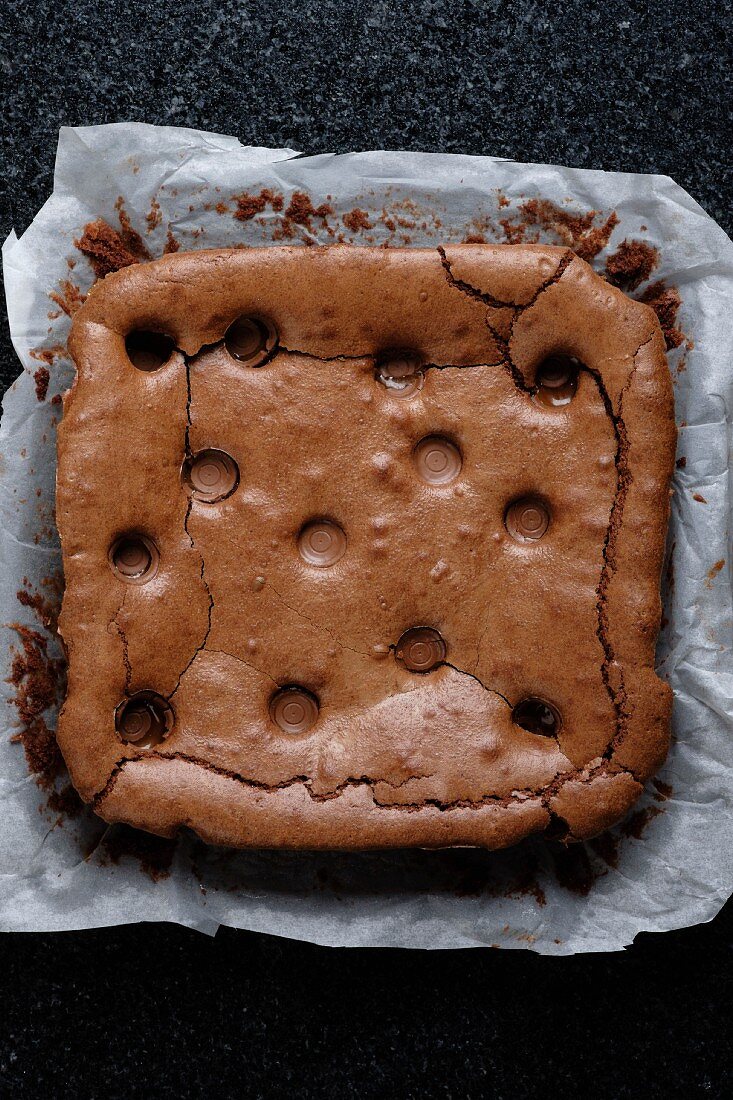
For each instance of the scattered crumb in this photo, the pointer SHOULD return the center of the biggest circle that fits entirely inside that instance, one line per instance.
(41, 377)
(69, 298)
(636, 823)
(249, 205)
(665, 301)
(171, 244)
(631, 264)
(699, 497)
(154, 216)
(154, 853)
(300, 210)
(606, 846)
(681, 463)
(664, 790)
(356, 219)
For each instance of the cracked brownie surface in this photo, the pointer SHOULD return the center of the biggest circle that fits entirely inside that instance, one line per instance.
(362, 546)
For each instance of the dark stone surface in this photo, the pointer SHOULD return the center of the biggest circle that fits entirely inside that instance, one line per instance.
(160, 1011)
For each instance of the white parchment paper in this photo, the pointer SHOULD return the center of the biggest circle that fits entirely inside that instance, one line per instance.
(59, 873)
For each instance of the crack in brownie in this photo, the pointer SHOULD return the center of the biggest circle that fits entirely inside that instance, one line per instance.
(362, 546)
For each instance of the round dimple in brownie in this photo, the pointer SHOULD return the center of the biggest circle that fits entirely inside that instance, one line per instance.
(322, 543)
(210, 475)
(399, 372)
(437, 460)
(537, 716)
(134, 559)
(145, 719)
(294, 710)
(251, 340)
(527, 519)
(148, 350)
(557, 380)
(420, 649)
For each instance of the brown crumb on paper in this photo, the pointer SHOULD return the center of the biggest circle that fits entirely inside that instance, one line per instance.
(664, 790)
(38, 682)
(665, 301)
(104, 248)
(573, 869)
(631, 264)
(154, 853)
(250, 205)
(356, 220)
(171, 244)
(699, 498)
(69, 298)
(636, 823)
(41, 377)
(300, 210)
(154, 216)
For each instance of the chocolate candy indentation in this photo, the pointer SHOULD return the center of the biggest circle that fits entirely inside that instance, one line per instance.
(294, 710)
(321, 543)
(134, 559)
(557, 380)
(420, 649)
(399, 372)
(145, 719)
(210, 475)
(149, 350)
(251, 340)
(437, 460)
(527, 519)
(537, 716)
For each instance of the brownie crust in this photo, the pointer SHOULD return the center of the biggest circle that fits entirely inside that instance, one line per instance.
(321, 458)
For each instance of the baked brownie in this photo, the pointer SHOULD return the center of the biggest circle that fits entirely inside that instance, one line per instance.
(362, 546)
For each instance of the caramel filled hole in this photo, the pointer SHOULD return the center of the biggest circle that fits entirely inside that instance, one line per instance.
(144, 720)
(210, 475)
(148, 351)
(134, 559)
(294, 710)
(251, 340)
(537, 716)
(420, 649)
(557, 380)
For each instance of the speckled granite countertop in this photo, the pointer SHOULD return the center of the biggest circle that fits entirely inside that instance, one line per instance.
(158, 1010)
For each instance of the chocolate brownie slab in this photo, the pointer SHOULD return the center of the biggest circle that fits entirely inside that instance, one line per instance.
(362, 546)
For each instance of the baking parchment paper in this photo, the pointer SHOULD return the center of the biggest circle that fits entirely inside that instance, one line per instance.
(673, 866)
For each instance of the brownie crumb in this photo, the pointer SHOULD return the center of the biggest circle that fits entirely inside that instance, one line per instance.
(37, 679)
(681, 463)
(154, 853)
(104, 248)
(154, 216)
(41, 377)
(69, 298)
(250, 205)
(300, 210)
(636, 823)
(664, 790)
(66, 801)
(665, 301)
(131, 239)
(631, 264)
(573, 868)
(595, 240)
(606, 846)
(356, 220)
(474, 238)
(171, 244)
(699, 498)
